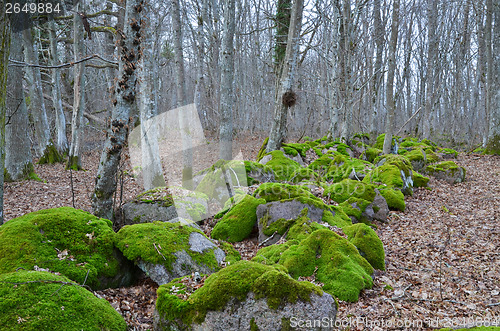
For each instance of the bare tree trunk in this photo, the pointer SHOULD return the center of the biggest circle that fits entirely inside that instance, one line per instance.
(493, 140)
(129, 52)
(4, 57)
(18, 164)
(390, 78)
(227, 93)
(286, 97)
(432, 52)
(62, 141)
(378, 35)
(37, 104)
(151, 163)
(74, 160)
(187, 171)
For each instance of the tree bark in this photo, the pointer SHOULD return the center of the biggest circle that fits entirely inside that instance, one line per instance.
(129, 53)
(18, 164)
(4, 57)
(151, 163)
(227, 93)
(61, 141)
(37, 104)
(391, 68)
(278, 129)
(74, 160)
(493, 140)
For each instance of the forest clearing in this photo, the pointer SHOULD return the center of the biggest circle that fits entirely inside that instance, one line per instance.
(250, 165)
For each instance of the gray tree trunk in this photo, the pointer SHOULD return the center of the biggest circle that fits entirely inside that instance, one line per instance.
(151, 163)
(378, 36)
(493, 140)
(18, 164)
(287, 80)
(390, 78)
(187, 171)
(4, 61)
(129, 51)
(37, 104)
(74, 160)
(227, 93)
(62, 141)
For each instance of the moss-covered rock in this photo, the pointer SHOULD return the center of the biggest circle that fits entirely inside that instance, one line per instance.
(321, 164)
(368, 243)
(282, 166)
(493, 145)
(227, 287)
(238, 223)
(278, 191)
(214, 183)
(72, 242)
(371, 154)
(420, 180)
(348, 168)
(300, 149)
(394, 198)
(165, 250)
(393, 174)
(448, 153)
(333, 260)
(36, 300)
(258, 173)
(448, 170)
(232, 255)
(304, 174)
(262, 150)
(347, 188)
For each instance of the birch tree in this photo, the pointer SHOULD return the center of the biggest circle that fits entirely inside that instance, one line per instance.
(18, 158)
(129, 53)
(286, 97)
(391, 68)
(227, 93)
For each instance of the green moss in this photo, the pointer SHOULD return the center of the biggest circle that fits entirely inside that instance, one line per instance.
(159, 195)
(256, 168)
(396, 160)
(347, 188)
(394, 198)
(372, 153)
(431, 156)
(232, 255)
(72, 242)
(283, 167)
(262, 150)
(493, 145)
(335, 261)
(278, 191)
(368, 243)
(355, 207)
(35, 300)
(51, 155)
(271, 255)
(379, 144)
(336, 217)
(299, 148)
(420, 180)
(322, 163)
(73, 163)
(238, 223)
(304, 174)
(303, 227)
(253, 325)
(447, 166)
(448, 151)
(387, 174)
(429, 143)
(138, 241)
(342, 167)
(28, 172)
(235, 281)
(214, 178)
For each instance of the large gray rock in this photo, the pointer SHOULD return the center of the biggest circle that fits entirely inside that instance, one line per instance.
(376, 210)
(136, 212)
(184, 263)
(238, 315)
(448, 171)
(271, 212)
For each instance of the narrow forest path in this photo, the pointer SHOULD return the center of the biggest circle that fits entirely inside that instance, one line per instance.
(442, 257)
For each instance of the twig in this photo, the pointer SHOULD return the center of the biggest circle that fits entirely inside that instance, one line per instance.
(72, 188)
(86, 276)
(493, 304)
(271, 237)
(63, 65)
(154, 244)
(412, 116)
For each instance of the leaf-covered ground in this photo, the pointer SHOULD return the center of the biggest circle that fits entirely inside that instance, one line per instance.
(442, 253)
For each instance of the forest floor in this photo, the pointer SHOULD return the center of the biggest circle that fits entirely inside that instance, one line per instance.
(442, 253)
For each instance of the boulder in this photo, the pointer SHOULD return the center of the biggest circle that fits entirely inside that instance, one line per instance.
(72, 242)
(165, 251)
(364, 211)
(45, 301)
(448, 171)
(243, 296)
